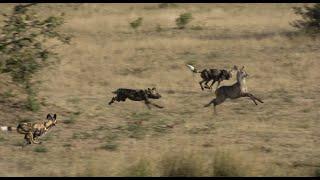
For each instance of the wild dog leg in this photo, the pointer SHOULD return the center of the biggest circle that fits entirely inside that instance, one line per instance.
(156, 105)
(213, 81)
(201, 84)
(112, 100)
(206, 84)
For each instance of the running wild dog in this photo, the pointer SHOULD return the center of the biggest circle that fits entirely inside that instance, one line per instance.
(136, 95)
(234, 91)
(211, 74)
(32, 131)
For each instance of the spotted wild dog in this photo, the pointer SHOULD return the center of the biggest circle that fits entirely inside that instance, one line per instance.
(237, 90)
(32, 131)
(136, 95)
(216, 75)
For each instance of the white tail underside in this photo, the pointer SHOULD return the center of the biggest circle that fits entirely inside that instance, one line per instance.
(4, 128)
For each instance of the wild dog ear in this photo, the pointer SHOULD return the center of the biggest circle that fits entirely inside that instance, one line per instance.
(49, 117)
(148, 89)
(153, 88)
(54, 116)
(235, 67)
(242, 68)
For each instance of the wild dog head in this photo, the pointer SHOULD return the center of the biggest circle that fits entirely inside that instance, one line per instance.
(52, 119)
(153, 93)
(225, 75)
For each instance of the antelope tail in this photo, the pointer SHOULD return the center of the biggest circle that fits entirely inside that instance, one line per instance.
(7, 128)
(193, 69)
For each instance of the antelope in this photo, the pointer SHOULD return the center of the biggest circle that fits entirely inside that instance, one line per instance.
(237, 90)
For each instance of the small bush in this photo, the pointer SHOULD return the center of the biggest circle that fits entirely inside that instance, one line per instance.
(136, 23)
(40, 149)
(8, 94)
(159, 28)
(317, 172)
(140, 169)
(72, 118)
(197, 28)
(226, 165)
(111, 146)
(183, 20)
(167, 5)
(32, 103)
(310, 22)
(180, 165)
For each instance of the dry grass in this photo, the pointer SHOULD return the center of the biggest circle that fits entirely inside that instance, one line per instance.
(107, 54)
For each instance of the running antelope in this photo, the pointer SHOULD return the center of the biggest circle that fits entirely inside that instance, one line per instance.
(234, 91)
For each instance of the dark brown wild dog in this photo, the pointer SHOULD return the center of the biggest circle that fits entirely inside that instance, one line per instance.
(136, 95)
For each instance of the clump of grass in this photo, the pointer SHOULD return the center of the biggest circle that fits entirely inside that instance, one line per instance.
(32, 103)
(159, 28)
(136, 131)
(183, 20)
(8, 94)
(180, 165)
(167, 5)
(136, 23)
(2, 139)
(141, 116)
(72, 118)
(40, 149)
(224, 164)
(196, 28)
(317, 172)
(160, 126)
(110, 146)
(81, 135)
(140, 169)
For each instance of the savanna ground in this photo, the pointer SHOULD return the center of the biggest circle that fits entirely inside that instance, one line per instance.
(277, 138)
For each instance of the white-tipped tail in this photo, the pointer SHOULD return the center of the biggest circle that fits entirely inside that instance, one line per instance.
(4, 128)
(193, 69)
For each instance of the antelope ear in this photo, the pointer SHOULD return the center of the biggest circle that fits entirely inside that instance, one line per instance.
(54, 116)
(49, 117)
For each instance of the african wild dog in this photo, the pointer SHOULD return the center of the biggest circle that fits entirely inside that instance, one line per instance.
(136, 95)
(32, 131)
(211, 74)
(234, 91)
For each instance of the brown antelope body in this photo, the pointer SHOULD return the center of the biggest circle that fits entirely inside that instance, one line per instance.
(234, 91)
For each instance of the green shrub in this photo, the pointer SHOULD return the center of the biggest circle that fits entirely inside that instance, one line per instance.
(180, 165)
(310, 22)
(40, 149)
(183, 20)
(140, 169)
(224, 164)
(167, 5)
(136, 23)
(23, 49)
(110, 146)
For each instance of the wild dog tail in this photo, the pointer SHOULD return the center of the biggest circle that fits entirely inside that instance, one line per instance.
(193, 69)
(7, 128)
